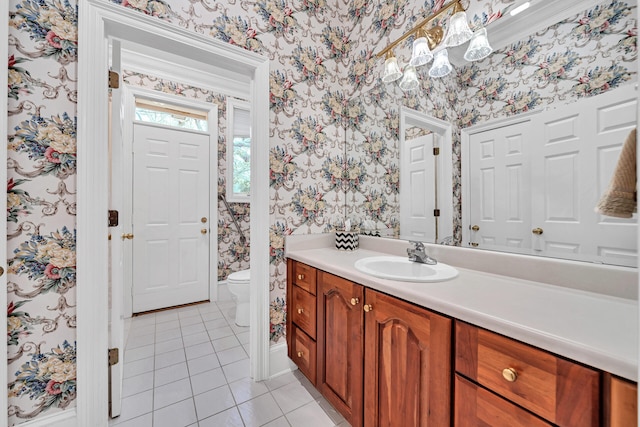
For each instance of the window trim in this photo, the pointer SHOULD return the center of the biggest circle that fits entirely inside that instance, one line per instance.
(232, 105)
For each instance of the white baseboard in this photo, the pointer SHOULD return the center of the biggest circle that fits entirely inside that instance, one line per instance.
(66, 418)
(279, 362)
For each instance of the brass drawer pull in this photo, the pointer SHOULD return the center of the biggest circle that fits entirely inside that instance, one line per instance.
(300, 354)
(300, 276)
(354, 301)
(510, 374)
(300, 310)
(367, 308)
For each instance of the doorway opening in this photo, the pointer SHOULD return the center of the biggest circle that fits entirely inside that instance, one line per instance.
(99, 22)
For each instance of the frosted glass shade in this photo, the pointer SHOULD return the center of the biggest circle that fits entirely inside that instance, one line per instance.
(441, 65)
(409, 79)
(459, 31)
(421, 53)
(478, 46)
(391, 70)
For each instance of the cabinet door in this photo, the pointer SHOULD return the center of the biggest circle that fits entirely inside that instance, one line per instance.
(407, 365)
(340, 345)
(475, 406)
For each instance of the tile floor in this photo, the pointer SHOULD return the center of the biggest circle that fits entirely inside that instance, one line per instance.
(190, 367)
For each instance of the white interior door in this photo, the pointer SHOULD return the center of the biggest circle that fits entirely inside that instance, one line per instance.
(574, 160)
(417, 190)
(170, 217)
(499, 186)
(116, 295)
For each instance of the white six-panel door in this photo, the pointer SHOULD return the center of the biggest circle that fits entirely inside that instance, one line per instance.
(535, 184)
(170, 217)
(417, 200)
(500, 186)
(575, 157)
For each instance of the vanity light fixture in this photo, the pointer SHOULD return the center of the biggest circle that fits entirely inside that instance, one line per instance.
(431, 44)
(391, 69)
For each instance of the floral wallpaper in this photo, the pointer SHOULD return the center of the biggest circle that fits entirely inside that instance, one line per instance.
(232, 255)
(333, 135)
(41, 208)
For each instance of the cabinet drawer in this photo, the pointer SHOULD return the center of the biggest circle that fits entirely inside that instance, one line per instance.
(304, 354)
(475, 406)
(304, 276)
(558, 390)
(304, 311)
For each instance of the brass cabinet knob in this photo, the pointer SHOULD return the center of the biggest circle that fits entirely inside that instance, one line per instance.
(354, 301)
(203, 220)
(1, 271)
(474, 244)
(300, 311)
(300, 354)
(537, 231)
(510, 374)
(127, 236)
(475, 228)
(300, 276)
(203, 231)
(367, 307)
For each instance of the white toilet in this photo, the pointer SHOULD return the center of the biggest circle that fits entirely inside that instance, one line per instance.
(238, 284)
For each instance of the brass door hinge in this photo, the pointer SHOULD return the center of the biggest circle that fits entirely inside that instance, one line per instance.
(113, 218)
(114, 356)
(114, 80)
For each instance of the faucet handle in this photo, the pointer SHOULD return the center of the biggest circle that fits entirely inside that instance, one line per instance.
(417, 245)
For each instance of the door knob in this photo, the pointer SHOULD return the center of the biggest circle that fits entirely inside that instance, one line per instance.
(537, 231)
(354, 301)
(475, 228)
(300, 310)
(300, 276)
(367, 307)
(203, 231)
(127, 236)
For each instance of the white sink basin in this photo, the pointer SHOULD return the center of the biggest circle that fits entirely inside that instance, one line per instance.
(400, 268)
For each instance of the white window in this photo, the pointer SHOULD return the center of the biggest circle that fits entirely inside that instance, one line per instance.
(165, 114)
(238, 150)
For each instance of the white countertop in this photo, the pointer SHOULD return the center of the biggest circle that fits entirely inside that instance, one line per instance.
(590, 327)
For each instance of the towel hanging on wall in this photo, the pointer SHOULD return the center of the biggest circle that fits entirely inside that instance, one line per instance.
(620, 199)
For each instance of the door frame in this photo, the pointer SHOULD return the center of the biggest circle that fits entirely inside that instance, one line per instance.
(125, 181)
(99, 20)
(409, 118)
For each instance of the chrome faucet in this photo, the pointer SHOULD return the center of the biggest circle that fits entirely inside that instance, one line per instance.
(417, 254)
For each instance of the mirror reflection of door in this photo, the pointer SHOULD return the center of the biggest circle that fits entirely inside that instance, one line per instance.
(170, 208)
(534, 183)
(426, 199)
(500, 170)
(417, 192)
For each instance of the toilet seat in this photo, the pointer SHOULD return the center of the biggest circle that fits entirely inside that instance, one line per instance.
(239, 276)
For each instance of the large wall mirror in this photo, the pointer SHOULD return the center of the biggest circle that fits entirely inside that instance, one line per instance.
(549, 81)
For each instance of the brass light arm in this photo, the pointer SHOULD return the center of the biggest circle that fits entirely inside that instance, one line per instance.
(421, 24)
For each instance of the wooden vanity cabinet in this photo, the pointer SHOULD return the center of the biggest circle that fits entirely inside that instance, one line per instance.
(380, 361)
(340, 345)
(301, 318)
(620, 401)
(559, 391)
(407, 364)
